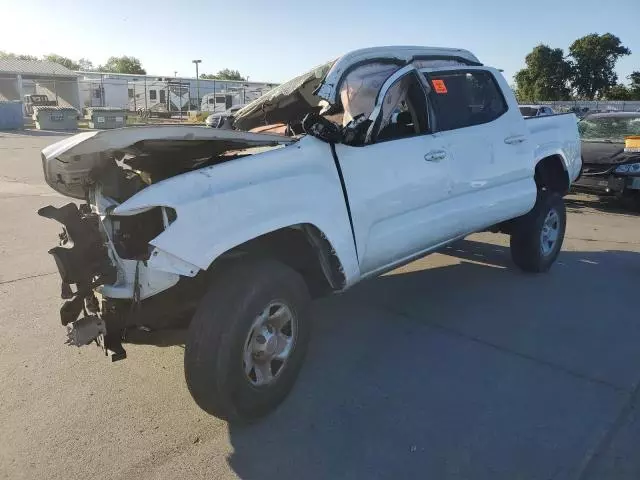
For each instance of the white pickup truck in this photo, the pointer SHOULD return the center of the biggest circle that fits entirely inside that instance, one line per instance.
(391, 153)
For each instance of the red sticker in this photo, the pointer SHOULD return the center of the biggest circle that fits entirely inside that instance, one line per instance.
(439, 86)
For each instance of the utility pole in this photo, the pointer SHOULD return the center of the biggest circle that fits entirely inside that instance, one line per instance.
(197, 83)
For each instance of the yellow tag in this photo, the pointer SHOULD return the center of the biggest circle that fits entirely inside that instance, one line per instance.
(632, 144)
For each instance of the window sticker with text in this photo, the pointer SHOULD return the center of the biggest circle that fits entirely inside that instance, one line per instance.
(439, 86)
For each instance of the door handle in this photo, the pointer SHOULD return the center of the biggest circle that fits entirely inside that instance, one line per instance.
(435, 155)
(516, 139)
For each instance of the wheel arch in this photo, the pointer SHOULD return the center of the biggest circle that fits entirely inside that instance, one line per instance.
(551, 174)
(303, 247)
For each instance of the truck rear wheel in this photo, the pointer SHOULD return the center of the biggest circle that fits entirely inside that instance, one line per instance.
(247, 340)
(537, 236)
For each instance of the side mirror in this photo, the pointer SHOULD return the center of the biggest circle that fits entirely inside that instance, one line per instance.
(320, 127)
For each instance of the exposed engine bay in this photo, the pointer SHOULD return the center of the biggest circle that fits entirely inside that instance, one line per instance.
(103, 254)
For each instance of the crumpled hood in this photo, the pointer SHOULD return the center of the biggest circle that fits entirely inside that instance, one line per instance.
(68, 164)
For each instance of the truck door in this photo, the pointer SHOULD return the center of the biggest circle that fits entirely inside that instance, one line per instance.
(491, 155)
(399, 182)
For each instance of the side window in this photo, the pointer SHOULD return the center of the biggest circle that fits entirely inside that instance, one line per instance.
(152, 95)
(404, 110)
(463, 99)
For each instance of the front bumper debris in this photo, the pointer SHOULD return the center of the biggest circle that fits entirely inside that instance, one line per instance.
(83, 263)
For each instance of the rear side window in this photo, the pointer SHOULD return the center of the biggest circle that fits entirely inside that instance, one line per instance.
(463, 99)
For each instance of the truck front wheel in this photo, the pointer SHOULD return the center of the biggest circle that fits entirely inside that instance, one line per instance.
(537, 237)
(247, 340)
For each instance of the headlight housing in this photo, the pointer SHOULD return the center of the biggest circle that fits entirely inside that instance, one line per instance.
(628, 169)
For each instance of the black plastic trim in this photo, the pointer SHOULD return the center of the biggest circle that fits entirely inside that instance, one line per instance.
(346, 196)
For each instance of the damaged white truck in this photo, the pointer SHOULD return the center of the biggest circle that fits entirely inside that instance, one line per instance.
(383, 156)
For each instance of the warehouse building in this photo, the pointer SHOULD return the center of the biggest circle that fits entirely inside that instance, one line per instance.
(33, 77)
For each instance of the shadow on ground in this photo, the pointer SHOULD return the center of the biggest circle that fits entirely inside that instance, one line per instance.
(468, 370)
(471, 370)
(576, 203)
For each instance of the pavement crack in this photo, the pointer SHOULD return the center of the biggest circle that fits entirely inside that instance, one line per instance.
(591, 458)
(3, 282)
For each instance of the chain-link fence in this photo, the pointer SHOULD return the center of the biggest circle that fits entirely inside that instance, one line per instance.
(586, 106)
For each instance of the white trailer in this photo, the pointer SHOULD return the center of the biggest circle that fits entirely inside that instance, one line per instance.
(103, 91)
(161, 95)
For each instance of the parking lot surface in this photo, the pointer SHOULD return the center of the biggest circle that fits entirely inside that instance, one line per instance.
(455, 366)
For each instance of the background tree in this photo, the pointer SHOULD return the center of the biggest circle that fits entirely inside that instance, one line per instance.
(619, 92)
(64, 61)
(546, 75)
(4, 54)
(594, 60)
(224, 74)
(634, 88)
(123, 64)
(85, 65)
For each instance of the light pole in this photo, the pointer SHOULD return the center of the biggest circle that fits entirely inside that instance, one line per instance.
(197, 83)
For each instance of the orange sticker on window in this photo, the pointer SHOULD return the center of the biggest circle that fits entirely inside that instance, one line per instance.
(439, 86)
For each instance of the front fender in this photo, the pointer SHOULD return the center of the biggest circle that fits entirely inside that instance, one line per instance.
(226, 205)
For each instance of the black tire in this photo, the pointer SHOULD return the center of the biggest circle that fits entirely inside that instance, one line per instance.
(526, 244)
(213, 360)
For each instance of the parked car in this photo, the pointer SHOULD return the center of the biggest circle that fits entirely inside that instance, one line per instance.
(611, 154)
(247, 227)
(222, 119)
(528, 111)
(580, 111)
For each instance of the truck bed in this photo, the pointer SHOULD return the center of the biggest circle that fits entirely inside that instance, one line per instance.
(553, 134)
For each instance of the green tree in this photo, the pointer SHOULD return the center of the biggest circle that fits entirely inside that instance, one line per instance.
(634, 88)
(85, 65)
(64, 61)
(123, 64)
(224, 74)
(594, 60)
(4, 54)
(618, 92)
(545, 76)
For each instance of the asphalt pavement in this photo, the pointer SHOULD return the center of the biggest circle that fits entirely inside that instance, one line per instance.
(455, 366)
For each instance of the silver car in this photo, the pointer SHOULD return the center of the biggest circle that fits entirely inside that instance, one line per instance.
(222, 119)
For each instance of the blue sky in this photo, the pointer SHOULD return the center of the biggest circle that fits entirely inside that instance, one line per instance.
(274, 41)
